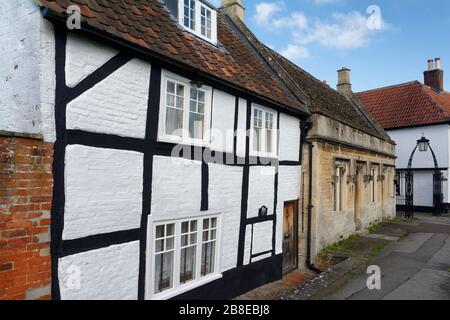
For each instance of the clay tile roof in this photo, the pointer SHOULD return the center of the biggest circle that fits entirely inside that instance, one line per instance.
(149, 24)
(406, 105)
(321, 98)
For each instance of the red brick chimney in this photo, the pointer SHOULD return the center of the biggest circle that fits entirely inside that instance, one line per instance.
(434, 76)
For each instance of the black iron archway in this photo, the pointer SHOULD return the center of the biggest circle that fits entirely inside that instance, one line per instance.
(423, 144)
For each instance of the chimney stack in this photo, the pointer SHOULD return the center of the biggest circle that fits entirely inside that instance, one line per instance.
(434, 76)
(344, 86)
(234, 9)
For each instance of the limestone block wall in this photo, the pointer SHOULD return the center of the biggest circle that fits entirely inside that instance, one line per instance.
(359, 153)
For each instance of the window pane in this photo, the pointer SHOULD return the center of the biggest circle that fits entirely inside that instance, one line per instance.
(213, 222)
(208, 257)
(170, 87)
(170, 100)
(185, 227)
(180, 90)
(194, 225)
(159, 246)
(170, 244)
(194, 94)
(196, 125)
(174, 122)
(205, 224)
(163, 271)
(193, 106)
(170, 229)
(184, 240)
(159, 231)
(201, 96)
(187, 264)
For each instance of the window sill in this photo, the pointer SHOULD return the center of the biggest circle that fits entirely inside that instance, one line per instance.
(187, 287)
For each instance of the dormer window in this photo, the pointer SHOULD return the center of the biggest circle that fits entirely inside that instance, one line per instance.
(199, 18)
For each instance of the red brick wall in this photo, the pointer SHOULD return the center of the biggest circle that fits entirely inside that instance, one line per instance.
(25, 201)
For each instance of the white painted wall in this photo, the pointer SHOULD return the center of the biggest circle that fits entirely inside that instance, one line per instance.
(406, 140)
(84, 56)
(106, 274)
(225, 193)
(109, 107)
(27, 70)
(262, 238)
(177, 187)
(261, 190)
(103, 190)
(289, 149)
(222, 134)
(423, 188)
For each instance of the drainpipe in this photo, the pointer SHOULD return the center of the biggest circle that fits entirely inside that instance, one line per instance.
(309, 262)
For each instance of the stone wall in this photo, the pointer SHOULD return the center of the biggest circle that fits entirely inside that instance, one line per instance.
(330, 225)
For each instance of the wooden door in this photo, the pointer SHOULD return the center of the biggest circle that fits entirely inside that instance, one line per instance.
(290, 236)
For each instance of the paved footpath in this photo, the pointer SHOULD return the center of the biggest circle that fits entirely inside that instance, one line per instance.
(416, 268)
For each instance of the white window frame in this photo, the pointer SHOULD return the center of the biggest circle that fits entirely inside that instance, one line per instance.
(275, 137)
(185, 139)
(178, 288)
(197, 31)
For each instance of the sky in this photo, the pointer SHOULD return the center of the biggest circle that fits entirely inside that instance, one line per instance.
(383, 42)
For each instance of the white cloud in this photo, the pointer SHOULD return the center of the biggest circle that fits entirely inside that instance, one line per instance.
(266, 10)
(295, 52)
(340, 30)
(296, 20)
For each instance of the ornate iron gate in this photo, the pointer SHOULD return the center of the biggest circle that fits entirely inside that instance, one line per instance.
(438, 198)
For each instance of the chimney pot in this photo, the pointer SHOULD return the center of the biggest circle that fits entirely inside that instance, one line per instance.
(430, 64)
(234, 9)
(437, 63)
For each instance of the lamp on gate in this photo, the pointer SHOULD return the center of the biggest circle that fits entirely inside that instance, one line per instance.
(423, 144)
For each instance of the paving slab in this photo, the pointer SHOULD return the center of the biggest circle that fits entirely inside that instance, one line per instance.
(412, 243)
(427, 284)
